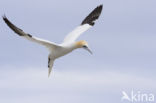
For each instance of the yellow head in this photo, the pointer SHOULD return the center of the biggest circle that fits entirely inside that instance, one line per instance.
(83, 44)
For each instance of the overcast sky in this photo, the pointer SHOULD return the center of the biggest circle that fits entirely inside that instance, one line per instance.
(123, 42)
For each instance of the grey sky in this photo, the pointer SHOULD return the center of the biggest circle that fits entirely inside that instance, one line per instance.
(122, 40)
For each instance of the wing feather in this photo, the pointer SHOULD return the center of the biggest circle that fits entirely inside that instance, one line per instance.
(72, 36)
(87, 23)
(21, 33)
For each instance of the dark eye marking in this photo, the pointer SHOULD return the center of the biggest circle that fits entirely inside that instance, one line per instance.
(85, 46)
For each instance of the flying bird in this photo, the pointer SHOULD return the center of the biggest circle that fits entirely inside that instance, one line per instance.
(69, 43)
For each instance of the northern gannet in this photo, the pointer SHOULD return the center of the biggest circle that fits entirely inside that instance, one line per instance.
(69, 44)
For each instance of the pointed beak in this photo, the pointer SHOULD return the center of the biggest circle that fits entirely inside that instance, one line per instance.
(88, 50)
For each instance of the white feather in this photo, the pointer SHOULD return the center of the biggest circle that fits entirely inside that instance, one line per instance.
(72, 36)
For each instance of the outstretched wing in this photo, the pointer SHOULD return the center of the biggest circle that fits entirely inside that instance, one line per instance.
(21, 33)
(87, 23)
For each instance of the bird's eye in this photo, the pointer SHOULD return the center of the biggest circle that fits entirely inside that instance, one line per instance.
(84, 46)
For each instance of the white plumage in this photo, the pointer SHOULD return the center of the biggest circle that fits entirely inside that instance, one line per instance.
(72, 36)
(69, 43)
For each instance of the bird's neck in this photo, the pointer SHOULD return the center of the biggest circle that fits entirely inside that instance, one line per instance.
(76, 45)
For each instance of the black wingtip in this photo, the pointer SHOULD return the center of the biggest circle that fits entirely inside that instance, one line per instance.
(94, 15)
(4, 17)
(100, 7)
(12, 26)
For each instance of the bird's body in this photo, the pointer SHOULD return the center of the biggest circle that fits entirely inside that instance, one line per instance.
(61, 51)
(69, 44)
